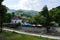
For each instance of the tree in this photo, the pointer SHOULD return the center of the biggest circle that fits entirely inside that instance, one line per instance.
(55, 14)
(37, 19)
(25, 14)
(45, 17)
(13, 14)
(45, 13)
(3, 11)
(8, 17)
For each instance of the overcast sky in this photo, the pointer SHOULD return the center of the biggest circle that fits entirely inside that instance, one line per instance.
(36, 5)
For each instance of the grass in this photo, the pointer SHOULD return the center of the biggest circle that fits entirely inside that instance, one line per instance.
(6, 35)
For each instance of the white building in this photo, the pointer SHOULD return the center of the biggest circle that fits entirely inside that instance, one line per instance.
(16, 19)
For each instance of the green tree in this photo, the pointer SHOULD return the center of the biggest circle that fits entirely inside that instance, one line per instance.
(3, 11)
(45, 17)
(25, 14)
(45, 13)
(55, 14)
(8, 17)
(13, 14)
(37, 19)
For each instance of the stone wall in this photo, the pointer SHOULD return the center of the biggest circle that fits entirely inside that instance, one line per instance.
(34, 29)
(58, 29)
(38, 30)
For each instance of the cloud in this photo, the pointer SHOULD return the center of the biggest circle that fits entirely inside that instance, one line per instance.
(31, 4)
(52, 3)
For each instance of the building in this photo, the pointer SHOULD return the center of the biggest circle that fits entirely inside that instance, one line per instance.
(16, 19)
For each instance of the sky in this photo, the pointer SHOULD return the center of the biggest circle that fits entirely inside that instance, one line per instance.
(36, 5)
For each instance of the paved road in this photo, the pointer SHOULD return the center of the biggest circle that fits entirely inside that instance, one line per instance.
(46, 36)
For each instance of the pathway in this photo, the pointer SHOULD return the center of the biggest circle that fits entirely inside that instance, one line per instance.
(46, 36)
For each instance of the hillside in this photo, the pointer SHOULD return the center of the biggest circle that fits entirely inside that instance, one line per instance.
(27, 12)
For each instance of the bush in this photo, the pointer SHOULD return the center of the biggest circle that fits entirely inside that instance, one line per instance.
(19, 24)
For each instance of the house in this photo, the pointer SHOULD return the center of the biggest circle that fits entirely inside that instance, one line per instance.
(23, 20)
(16, 19)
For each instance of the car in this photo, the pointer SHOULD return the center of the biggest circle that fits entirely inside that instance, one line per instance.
(26, 24)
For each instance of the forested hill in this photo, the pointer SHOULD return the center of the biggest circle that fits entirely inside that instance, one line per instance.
(23, 11)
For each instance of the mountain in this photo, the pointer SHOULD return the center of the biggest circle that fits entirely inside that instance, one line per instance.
(11, 10)
(23, 12)
(30, 12)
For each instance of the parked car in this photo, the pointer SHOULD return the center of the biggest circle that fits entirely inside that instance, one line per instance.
(26, 24)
